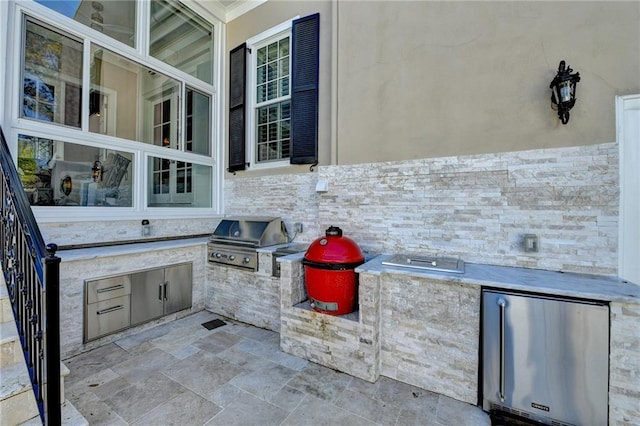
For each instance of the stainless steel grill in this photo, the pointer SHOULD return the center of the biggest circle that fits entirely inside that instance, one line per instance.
(235, 240)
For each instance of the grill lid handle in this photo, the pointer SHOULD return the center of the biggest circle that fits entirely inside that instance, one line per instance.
(333, 231)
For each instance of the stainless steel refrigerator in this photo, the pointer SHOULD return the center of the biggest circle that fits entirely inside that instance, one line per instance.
(545, 358)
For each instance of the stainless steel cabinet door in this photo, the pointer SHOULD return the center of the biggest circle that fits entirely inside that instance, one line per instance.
(147, 295)
(546, 357)
(178, 288)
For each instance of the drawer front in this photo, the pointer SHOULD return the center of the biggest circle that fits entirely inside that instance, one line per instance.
(107, 288)
(108, 316)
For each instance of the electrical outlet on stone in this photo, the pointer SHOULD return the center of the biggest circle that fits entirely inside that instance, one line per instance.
(531, 244)
(297, 227)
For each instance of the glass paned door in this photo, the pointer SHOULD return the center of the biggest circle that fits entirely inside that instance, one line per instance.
(178, 183)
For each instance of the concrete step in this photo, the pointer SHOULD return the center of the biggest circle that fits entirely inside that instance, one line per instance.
(10, 349)
(6, 314)
(17, 401)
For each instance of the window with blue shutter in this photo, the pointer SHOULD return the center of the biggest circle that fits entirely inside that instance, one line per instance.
(275, 95)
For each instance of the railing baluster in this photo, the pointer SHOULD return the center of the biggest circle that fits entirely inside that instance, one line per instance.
(32, 279)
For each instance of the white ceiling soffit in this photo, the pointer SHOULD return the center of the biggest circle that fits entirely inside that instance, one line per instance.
(227, 10)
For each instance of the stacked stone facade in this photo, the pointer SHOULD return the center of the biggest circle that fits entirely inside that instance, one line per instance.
(247, 296)
(624, 360)
(430, 334)
(476, 207)
(350, 344)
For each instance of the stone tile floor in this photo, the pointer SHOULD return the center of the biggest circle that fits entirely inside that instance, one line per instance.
(180, 373)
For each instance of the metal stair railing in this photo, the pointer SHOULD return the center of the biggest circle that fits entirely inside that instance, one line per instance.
(32, 275)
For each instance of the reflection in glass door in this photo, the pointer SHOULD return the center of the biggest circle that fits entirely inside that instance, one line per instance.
(172, 180)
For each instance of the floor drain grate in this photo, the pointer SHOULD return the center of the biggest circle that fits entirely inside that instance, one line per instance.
(210, 325)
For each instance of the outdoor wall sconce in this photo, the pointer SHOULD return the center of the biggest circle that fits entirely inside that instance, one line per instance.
(563, 95)
(97, 171)
(66, 185)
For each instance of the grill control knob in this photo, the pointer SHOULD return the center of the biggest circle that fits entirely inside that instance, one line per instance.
(232, 257)
(218, 255)
(246, 260)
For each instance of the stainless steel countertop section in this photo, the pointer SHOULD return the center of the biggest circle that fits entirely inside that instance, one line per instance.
(119, 250)
(569, 284)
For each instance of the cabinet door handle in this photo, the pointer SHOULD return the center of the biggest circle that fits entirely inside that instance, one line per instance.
(166, 286)
(502, 304)
(160, 291)
(112, 309)
(106, 289)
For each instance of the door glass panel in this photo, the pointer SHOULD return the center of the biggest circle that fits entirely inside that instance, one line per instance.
(55, 173)
(198, 122)
(115, 18)
(175, 183)
(51, 76)
(182, 39)
(131, 101)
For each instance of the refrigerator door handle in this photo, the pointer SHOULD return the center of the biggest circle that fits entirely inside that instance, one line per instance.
(502, 304)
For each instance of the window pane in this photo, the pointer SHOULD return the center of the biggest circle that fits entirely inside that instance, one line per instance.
(262, 74)
(283, 69)
(198, 123)
(263, 114)
(284, 47)
(285, 110)
(283, 87)
(262, 133)
(55, 173)
(178, 184)
(273, 132)
(182, 39)
(133, 101)
(273, 112)
(262, 56)
(52, 76)
(115, 18)
(272, 52)
(272, 90)
(260, 93)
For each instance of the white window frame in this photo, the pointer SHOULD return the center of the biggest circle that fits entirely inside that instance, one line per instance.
(627, 120)
(253, 44)
(13, 124)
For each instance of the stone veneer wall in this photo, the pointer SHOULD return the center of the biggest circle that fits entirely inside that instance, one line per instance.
(476, 207)
(247, 296)
(291, 197)
(348, 345)
(430, 334)
(479, 207)
(624, 359)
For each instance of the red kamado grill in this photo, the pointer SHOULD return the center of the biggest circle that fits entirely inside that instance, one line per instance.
(329, 265)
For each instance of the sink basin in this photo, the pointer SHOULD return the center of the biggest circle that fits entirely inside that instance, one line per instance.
(291, 249)
(427, 263)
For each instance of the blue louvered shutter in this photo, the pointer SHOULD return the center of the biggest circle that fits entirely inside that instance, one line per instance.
(305, 37)
(237, 100)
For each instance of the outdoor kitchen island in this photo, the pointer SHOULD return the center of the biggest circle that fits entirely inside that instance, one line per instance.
(81, 266)
(423, 327)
